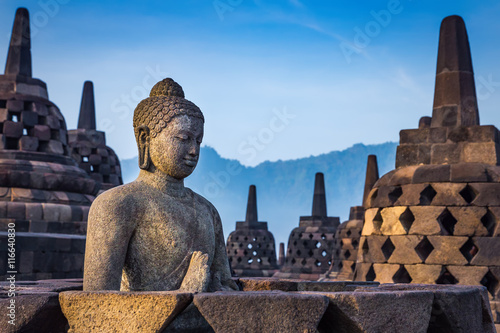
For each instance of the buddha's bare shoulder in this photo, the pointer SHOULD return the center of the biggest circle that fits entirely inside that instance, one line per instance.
(200, 200)
(125, 200)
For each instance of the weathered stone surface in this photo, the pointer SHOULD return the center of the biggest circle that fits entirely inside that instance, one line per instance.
(391, 224)
(377, 312)
(385, 272)
(426, 274)
(310, 245)
(112, 311)
(488, 251)
(426, 220)
(404, 252)
(127, 239)
(468, 275)
(446, 250)
(34, 312)
(271, 311)
(251, 248)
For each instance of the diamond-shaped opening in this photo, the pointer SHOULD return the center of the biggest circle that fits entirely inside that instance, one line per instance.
(388, 248)
(240, 245)
(424, 249)
(341, 243)
(469, 249)
(347, 254)
(446, 278)
(373, 196)
(303, 262)
(245, 252)
(341, 265)
(348, 233)
(323, 254)
(447, 222)
(468, 193)
(427, 195)
(407, 219)
(238, 260)
(250, 261)
(293, 260)
(353, 266)
(489, 221)
(395, 194)
(249, 246)
(318, 245)
(310, 253)
(300, 235)
(317, 263)
(491, 283)
(355, 243)
(254, 253)
(305, 243)
(365, 247)
(377, 220)
(311, 236)
(402, 276)
(370, 275)
(259, 260)
(298, 252)
(323, 236)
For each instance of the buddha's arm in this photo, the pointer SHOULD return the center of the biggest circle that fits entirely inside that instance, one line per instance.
(108, 234)
(220, 270)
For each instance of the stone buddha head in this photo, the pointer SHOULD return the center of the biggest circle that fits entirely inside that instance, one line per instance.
(169, 131)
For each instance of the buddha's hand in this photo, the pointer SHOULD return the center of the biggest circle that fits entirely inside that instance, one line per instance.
(198, 274)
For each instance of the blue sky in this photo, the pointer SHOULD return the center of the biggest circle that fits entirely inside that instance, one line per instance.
(270, 76)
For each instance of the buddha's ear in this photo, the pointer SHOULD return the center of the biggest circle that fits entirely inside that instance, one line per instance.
(143, 139)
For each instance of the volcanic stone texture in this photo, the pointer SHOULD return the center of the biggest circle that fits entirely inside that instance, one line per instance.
(345, 247)
(263, 305)
(44, 195)
(434, 224)
(88, 148)
(251, 248)
(310, 245)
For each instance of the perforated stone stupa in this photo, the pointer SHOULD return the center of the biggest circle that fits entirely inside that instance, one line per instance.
(310, 244)
(251, 248)
(435, 218)
(88, 146)
(42, 190)
(345, 248)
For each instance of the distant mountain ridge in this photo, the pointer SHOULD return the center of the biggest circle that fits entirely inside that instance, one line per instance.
(284, 188)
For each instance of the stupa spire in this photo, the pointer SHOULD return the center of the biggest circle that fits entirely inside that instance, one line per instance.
(371, 176)
(455, 102)
(19, 56)
(86, 119)
(252, 205)
(319, 198)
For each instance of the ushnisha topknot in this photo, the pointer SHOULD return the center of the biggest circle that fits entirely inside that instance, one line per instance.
(166, 101)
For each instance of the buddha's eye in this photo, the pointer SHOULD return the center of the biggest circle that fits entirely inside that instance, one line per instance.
(182, 137)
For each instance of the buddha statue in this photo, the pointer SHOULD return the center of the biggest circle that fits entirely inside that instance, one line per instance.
(155, 234)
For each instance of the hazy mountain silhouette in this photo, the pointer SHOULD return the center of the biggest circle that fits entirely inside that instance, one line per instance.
(284, 188)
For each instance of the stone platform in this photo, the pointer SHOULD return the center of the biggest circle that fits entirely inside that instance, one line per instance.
(262, 305)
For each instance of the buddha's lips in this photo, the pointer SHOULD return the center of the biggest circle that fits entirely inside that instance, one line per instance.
(189, 162)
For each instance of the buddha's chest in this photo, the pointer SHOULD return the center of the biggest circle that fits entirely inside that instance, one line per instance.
(171, 231)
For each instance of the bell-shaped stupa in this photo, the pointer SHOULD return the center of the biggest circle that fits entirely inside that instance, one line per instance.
(88, 146)
(345, 248)
(251, 248)
(435, 219)
(310, 244)
(43, 192)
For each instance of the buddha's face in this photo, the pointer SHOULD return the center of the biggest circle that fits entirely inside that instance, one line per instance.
(175, 150)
